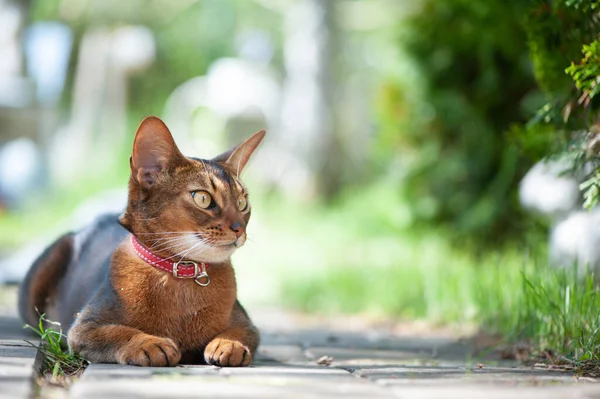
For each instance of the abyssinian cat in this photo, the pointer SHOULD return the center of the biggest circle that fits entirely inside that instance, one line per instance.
(155, 286)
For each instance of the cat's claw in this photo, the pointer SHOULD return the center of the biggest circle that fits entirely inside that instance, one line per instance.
(227, 353)
(147, 350)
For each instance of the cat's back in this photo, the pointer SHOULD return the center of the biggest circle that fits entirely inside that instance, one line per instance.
(88, 269)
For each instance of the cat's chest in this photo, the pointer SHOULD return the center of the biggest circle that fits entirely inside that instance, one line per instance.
(179, 309)
(196, 314)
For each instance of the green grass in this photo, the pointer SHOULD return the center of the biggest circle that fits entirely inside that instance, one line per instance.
(59, 362)
(558, 311)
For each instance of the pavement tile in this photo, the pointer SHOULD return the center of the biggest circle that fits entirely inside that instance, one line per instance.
(308, 384)
(11, 327)
(21, 351)
(373, 357)
(171, 389)
(492, 381)
(280, 353)
(315, 371)
(18, 342)
(440, 375)
(101, 371)
(498, 392)
(16, 359)
(21, 368)
(238, 386)
(366, 356)
(367, 340)
(207, 381)
(11, 387)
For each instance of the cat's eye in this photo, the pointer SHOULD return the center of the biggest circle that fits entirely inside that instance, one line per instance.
(202, 199)
(242, 203)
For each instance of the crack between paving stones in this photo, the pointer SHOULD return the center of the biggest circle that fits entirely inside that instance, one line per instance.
(36, 374)
(43, 387)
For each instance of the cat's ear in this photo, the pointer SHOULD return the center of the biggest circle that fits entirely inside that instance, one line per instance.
(236, 158)
(154, 150)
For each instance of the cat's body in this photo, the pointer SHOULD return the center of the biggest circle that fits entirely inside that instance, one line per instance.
(115, 305)
(80, 265)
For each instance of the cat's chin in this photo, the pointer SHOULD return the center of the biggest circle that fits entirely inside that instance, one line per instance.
(211, 253)
(216, 254)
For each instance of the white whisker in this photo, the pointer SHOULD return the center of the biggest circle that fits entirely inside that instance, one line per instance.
(189, 250)
(166, 232)
(163, 243)
(184, 252)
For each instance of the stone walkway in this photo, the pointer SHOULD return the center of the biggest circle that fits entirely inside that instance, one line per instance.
(364, 363)
(17, 359)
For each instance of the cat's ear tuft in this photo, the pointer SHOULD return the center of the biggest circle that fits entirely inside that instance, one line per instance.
(154, 150)
(237, 158)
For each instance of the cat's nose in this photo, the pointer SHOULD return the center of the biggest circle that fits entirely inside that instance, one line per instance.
(238, 229)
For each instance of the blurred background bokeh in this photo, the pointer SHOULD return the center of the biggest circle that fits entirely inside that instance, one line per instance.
(398, 134)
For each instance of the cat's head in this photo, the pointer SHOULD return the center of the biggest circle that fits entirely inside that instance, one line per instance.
(186, 208)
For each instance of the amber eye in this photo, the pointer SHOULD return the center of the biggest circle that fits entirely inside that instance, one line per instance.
(202, 199)
(242, 203)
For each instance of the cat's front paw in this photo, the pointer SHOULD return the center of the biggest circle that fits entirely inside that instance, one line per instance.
(148, 350)
(226, 352)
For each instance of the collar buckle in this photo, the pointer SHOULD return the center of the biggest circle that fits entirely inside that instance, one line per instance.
(184, 263)
(200, 276)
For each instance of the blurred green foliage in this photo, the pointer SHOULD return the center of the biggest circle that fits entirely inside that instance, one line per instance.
(586, 74)
(559, 31)
(494, 93)
(449, 130)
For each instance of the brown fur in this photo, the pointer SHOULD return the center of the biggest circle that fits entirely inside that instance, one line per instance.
(39, 288)
(144, 316)
(161, 306)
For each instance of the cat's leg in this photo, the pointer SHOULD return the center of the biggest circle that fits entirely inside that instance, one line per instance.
(236, 345)
(121, 344)
(100, 335)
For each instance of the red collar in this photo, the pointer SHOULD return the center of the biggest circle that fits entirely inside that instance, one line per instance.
(181, 269)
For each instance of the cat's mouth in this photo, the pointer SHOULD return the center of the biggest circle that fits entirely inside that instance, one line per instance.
(232, 245)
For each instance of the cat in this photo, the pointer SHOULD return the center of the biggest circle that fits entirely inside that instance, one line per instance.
(155, 285)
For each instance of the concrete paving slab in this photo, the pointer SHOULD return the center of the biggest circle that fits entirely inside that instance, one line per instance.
(206, 389)
(280, 353)
(284, 369)
(481, 391)
(232, 386)
(17, 359)
(428, 376)
(21, 351)
(99, 371)
(13, 387)
(368, 364)
(265, 381)
(372, 356)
